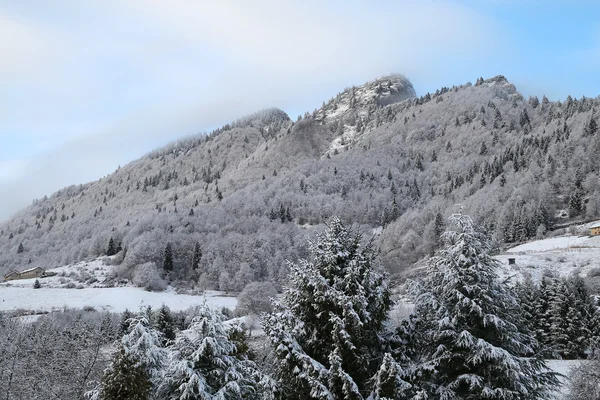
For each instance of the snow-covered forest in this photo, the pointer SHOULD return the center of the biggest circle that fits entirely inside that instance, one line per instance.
(221, 210)
(332, 230)
(331, 335)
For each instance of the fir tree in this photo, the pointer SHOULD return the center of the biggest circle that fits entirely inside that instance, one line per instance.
(196, 256)
(473, 343)
(205, 365)
(125, 379)
(327, 330)
(163, 323)
(125, 321)
(168, 258)
(37, 284)
(112, 249)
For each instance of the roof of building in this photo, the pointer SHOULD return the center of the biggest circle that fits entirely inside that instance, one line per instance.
(32, 269)
(11, 273)
(595, 225)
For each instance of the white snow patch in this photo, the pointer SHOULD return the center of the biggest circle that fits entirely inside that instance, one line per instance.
(111, 299)
(563, 242)
(561, 256)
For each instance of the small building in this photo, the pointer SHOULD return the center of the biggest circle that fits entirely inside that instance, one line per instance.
(595, 229)
(12, 275)
(36, 272)
(512, 261)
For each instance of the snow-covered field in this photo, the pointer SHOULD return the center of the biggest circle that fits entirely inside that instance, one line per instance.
(82, 285)
(560, 255)
(111, 299)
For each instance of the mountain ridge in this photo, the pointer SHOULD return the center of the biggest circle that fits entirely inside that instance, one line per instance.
(250, 193)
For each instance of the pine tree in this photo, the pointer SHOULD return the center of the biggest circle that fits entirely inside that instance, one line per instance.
(20, 249)
(205, 365)
(473, 342)
(37, 284)
(591, 126)
(542, 306)
(327, 330)
(196, 256)
(111, 250)
(125, 379)
(168, 258)
(144, 344)
(163, 323)
(125, 322)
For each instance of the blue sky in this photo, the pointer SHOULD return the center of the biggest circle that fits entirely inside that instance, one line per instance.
(90, 85)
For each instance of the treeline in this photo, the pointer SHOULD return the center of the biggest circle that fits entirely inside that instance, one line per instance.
(562, 314)
(531, 167)
(331, 337)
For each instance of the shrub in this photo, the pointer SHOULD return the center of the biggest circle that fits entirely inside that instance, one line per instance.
(256, 298)
(146, 275)
(593, 272)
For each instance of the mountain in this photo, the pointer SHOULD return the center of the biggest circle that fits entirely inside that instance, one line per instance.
(247, 195)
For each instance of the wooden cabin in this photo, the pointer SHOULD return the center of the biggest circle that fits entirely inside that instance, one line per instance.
(595, 229)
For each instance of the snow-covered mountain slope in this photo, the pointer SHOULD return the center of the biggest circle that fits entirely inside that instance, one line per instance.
(244, 193)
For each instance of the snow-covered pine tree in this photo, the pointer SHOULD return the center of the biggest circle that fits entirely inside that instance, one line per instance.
(527, 294)
(125, 378)
(327, 331)
(542, 321)
(144, 344)
(163, 322)
(204, 365)
(474, 344)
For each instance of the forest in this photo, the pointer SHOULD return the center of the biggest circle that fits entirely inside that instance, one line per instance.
(330, 335)
(228, 208)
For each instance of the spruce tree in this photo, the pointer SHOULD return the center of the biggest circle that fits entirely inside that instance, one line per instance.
(163, 322)
(327, 331)
(168, 258)
(205, 365)
(473, 342)
(112, 249)
(125, 321)
(125, 379)
(196, 256)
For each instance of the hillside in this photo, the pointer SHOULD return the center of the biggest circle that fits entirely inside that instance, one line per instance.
(250, 192)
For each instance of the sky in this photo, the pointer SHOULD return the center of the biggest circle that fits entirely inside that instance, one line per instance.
(87, 86)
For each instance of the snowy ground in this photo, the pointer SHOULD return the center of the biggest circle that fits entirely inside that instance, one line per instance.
(82, 285)
(560, 255)
(111, 299)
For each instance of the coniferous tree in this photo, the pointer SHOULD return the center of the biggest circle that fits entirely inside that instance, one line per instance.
(168, 258)
(125, 379)
(20, 249)
(125, 322)
(112, 249)
(163, 323)
(327, 330)
(196, 257)
(206, 365)
(473, 343)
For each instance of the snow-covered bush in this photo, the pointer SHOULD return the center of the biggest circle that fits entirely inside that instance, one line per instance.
(585, 381)
(256, 298)
(146, 275)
